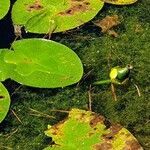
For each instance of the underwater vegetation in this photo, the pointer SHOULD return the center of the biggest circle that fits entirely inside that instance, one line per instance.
(33, 108)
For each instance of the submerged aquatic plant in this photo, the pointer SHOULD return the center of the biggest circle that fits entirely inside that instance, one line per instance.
(86, 130)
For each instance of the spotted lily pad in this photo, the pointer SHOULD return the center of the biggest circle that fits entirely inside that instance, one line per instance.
(44, 16)
(85, 130)
(4, 102)
(43, 63)
(120, 2)
(4, 7)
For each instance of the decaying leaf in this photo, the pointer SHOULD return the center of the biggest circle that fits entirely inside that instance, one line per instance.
(120, 2)
(46, 16)
(85, 130)
(107, 24)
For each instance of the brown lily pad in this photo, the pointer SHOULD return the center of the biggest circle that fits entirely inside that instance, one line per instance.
(107, 24)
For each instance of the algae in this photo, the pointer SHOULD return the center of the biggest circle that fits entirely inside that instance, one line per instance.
(98, 52)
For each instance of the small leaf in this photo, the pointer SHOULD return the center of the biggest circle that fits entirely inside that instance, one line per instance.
(4, 102)
(85, 130)
(44, 63)
(4, 7)
(43, 16)
(107, 23)
(120, 2)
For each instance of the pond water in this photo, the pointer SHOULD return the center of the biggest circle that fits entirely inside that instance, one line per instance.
(32, 108)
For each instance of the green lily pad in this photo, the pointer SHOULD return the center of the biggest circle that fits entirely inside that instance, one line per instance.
(43, 63)
(120, 2)
(85, 130)
(4, 102)
(4, 7)
(5, 69)
(44, 16)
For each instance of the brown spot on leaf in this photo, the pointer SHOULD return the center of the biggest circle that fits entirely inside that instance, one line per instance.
(114, 130)
(1, 97)
(103, 146)
(132, 145)
(96, 120)
(107, 123)
(56, 128)
(82, 116)
(128, 135)
(35, 6)
(91, 133)
(75, 7)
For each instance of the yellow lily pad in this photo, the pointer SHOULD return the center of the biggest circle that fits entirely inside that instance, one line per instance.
(120, 2)
(85, 130)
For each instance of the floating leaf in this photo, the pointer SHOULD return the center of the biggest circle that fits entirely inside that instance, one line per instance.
(4, 102)
(85, 130)
(107, 23)
(44, 16)
(43, 63)
(5, 69)
(4, 7)
(120, 2)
